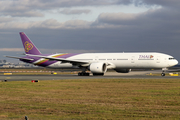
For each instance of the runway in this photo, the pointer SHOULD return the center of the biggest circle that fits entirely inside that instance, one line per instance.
(108, 75)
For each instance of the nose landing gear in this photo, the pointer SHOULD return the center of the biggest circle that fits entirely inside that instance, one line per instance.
(163, 74)
(163, 70)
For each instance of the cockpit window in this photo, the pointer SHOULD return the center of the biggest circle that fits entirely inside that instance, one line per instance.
(171, 58)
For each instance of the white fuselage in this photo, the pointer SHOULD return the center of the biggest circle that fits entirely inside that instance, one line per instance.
(123, 60)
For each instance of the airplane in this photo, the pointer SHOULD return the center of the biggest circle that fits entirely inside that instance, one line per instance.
(96, 63)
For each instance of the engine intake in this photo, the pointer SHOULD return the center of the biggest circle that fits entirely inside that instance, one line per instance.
(98, 67)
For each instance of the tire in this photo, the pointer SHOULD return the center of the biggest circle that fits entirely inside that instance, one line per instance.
(163, 74)
(79, 74)
(87, 74)
(83, 74)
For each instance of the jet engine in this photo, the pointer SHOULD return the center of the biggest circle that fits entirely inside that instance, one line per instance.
(123, 70)
(98, 68)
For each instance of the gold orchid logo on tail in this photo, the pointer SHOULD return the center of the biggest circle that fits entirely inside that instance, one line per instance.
(28, 46)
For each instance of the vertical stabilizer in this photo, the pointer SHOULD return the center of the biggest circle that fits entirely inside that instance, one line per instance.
(29, 47)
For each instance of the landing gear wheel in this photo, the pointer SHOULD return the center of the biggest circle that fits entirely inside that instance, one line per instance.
(83, 74)
(163, 74)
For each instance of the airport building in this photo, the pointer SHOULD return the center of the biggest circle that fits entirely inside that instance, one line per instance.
(5, 64)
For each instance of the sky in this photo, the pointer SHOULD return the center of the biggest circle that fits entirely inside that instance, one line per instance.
(75, 26)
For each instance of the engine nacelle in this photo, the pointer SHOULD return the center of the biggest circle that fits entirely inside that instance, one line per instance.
(98, 67)
(123, 70)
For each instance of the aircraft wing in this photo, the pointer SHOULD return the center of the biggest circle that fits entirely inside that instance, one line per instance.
(19, 58)
(60, 59)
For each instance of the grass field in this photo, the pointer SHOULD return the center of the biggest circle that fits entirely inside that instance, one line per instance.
(91, 99)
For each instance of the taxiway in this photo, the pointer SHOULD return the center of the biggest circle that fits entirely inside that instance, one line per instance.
(108, 75)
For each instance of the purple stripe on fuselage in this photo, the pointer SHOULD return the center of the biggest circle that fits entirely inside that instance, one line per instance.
(47, 63)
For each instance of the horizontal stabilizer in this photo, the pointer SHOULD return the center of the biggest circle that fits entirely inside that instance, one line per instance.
(20, 58)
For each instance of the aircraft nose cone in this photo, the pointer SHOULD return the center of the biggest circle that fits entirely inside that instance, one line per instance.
(176, 62)
(173, 63)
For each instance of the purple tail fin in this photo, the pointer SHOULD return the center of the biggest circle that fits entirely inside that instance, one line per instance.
(29, 47)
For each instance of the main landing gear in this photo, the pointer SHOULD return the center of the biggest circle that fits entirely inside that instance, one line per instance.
(83, 74)
(87, 74)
